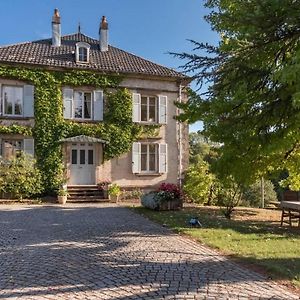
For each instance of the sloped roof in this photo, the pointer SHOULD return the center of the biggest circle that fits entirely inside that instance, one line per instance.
(83, 139)
(42, 53)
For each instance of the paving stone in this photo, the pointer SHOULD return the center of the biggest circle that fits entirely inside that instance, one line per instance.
(101, 251)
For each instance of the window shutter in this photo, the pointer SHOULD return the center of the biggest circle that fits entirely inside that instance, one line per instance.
(136, 108)
(68, 103)
(163, 158)
(98, 105)
(28, 100)
(28, 146)
(136, 158)
(162, 110)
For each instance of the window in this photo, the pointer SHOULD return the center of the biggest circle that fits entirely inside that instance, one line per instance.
(149, 157)
(11, 148)
(82, 52)
(12, 100)
(148, 109)
(82, 105)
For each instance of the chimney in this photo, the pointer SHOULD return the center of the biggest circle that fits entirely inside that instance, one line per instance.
(103, 32)
(56, 30)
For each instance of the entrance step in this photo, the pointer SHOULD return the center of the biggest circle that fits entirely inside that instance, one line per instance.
(85, 193)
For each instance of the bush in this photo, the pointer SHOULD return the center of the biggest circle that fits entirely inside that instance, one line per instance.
(114, 190)
(168, 192)
(198, 183)
(252, 194)
(19, 178)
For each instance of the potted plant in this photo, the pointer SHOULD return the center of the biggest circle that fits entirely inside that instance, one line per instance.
(62, 196)
(114, 192)
(103, 186)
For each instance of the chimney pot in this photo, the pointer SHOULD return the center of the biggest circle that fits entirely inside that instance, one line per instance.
(56, 29)
(103, 35)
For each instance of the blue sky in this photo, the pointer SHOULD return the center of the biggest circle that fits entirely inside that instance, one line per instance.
(147, 28)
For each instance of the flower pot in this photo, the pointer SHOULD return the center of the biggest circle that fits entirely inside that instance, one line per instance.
(171, 205)
(113, 198)
(62, 199)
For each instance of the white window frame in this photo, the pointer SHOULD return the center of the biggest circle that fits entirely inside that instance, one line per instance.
(10, 141)
(83, 108)
(148, 109)
(87, 47)
(148, 171)
(13, 106)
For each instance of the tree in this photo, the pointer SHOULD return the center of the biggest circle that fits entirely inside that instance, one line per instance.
(252, 194)
(252, 105)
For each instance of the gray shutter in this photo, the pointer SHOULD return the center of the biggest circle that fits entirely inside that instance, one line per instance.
(68, 103)
(162, 109)
(163, 158)
(136, 107)
(28, 101)
(136, 158)
(28, 146)
(98, 105)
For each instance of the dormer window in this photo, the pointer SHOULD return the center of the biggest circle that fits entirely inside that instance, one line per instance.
(82, 52)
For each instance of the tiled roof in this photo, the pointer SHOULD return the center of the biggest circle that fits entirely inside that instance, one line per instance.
(83, 139)
(42, 53)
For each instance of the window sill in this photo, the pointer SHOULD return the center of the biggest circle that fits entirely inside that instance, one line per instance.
(15, 117)
(84, 120)
(148, 174)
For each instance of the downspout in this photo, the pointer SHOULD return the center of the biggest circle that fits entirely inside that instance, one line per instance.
(180, 138)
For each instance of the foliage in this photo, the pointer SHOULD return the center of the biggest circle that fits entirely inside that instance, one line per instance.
(252, 194)
(168, 192)
(62, 192)
(229, 196)
(252, 104)
(50, 126)
(20, 178)
(16, 129)
(114, 190)
(198, 182)
(132, 195)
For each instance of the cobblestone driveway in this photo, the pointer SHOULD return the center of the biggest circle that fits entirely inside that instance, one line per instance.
(106, 252)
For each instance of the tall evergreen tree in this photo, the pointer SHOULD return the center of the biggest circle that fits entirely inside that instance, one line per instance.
(252, 105)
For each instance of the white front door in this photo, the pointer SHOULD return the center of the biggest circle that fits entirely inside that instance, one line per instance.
(82, 169)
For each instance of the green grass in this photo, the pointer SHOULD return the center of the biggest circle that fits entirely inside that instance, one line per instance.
(253, 236)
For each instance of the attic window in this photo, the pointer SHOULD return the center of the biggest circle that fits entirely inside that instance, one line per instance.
(82, 52)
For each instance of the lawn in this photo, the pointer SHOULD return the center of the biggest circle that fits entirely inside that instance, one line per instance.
(252, 236)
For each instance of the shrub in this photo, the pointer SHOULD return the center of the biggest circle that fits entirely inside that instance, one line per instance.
(132, 195)
(198, 183)
(252, 194)
(168, 192)
(114, 190)
(19, 177)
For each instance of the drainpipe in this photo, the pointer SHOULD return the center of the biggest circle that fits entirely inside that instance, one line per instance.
(180, 138)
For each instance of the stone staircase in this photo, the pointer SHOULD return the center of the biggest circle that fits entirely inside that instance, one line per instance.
(85, 194)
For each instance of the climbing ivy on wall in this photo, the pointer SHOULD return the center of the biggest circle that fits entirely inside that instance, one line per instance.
(50, 126)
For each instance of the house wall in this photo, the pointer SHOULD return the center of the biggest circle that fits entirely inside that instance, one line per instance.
(119, 170)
